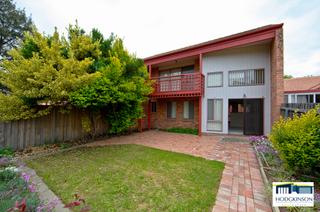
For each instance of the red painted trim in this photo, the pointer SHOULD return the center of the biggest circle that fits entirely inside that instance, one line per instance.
(176, 94)
(302, 91)
(149, 70)
(230, 37)
(188, 88)
(220, 45)
(200, 117)
(200, 63)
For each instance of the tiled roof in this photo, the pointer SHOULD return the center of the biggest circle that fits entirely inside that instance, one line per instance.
(302, 84)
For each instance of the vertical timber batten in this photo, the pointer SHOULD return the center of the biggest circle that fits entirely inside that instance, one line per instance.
(200, 98)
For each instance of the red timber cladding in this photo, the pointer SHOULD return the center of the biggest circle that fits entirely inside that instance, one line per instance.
(159, 119)
(277, 88)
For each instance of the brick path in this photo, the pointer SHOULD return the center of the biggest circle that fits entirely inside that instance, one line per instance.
(241, 187)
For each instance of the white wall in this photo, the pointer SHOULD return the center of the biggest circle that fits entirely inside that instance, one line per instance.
(251, 57)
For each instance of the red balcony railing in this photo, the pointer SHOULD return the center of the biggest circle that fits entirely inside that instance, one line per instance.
(179, 85)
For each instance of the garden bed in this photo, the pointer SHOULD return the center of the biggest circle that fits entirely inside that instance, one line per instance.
(17, 191)
(275, 170)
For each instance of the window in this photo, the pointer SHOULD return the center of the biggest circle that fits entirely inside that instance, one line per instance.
(236, 106)
(188, 109)
(286, 99)
(246, 77)
(153, 107)
(317, 98)
(214, 122)
(187, 69)
(170, 80)
(215, 79)
(293, 98)
(171, 110)
(305, 98)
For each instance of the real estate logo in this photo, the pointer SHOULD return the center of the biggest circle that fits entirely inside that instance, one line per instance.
(297, 194)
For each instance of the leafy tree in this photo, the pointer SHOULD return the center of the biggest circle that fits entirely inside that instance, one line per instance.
(286, 76)
(44, 70)
(120, 91)
(13, 24)
(81, 70)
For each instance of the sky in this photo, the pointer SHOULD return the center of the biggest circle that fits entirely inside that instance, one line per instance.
(150, 27)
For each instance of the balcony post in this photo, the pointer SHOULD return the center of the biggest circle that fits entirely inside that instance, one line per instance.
(149, 70)
(149, 105)
(149, 115)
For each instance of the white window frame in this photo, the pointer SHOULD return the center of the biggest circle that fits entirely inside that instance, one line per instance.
(212, 74)
(186, 110)
(173, 114)
(237, 78)
(214, 120)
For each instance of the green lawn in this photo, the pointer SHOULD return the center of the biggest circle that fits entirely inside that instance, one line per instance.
(132, 177)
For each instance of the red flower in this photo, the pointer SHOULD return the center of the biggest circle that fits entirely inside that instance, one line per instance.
(72, 204)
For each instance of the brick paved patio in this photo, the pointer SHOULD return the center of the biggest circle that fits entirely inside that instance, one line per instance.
(241, 187)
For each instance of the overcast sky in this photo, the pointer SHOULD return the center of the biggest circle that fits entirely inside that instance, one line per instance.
(149, 27)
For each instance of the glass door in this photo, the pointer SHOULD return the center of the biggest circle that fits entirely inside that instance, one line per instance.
(164, 81)
(175, 79)
(214, 119)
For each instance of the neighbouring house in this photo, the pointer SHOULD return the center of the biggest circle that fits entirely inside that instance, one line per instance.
(230, 85)
(300, 95)
(302, 90)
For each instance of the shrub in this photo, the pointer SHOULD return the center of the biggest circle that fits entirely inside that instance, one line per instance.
(297, 140)
(183, 130)
(4, 162)
(16, 191)
(7, 174)
(6, 151)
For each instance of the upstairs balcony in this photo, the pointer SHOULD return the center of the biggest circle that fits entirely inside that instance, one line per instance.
(182, 85)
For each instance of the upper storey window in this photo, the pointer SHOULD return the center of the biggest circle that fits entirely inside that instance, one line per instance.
(246, 77)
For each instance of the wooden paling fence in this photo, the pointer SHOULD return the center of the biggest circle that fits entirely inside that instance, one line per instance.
(55, 127)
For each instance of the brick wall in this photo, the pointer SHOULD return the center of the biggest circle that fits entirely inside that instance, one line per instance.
(159, 119)
(276, 75)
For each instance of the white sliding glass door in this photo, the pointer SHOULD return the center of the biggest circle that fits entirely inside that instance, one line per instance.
(214, 119)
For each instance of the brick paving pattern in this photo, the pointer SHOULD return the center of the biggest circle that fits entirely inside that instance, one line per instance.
(241, 187)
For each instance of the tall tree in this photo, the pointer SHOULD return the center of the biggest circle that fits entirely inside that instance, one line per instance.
(44, 69)
(13, 23)
(81, 70)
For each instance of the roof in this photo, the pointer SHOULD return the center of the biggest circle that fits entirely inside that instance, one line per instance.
(263, 29)
(302, 84)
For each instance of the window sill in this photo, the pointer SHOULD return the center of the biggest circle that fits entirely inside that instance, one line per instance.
(215, 86)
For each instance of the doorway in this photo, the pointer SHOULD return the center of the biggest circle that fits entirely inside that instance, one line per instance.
(245, 116)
